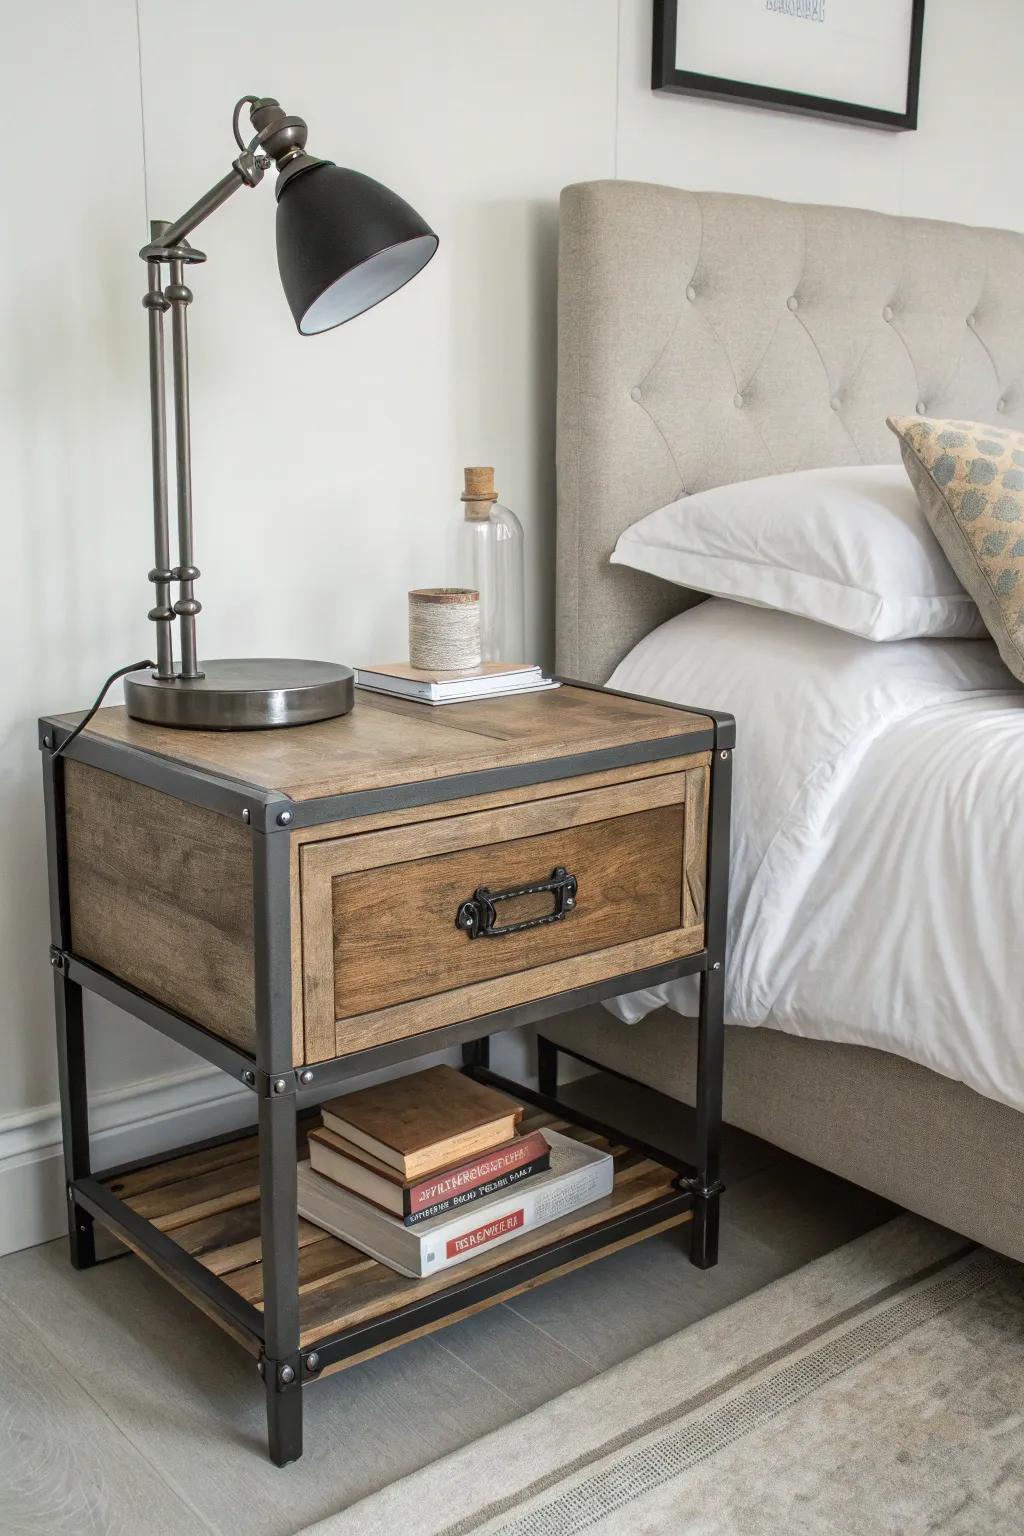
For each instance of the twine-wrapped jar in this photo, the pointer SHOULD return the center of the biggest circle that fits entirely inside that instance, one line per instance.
(444, 629)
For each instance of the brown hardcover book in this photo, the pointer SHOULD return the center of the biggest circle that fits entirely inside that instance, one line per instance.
(425, 1121)
(414, 1200)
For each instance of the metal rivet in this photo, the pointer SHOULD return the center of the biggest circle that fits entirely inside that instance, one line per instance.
(887, 312)
(249, 1077)
(280, 1085)
(921, 408)
(312, 1361)
(717, 965)
(691, 293)
(723, 755)
(737, 401)
(47, 741)
(284, 818)
(306, 1077)
(792, 303)
(286, 1375)
(636, 393)
(246, 816)
(261, 1367)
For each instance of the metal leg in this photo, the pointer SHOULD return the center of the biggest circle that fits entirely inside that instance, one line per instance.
(280, 1236)
(707, 1186)
(276, 1085)
(477, 1053)
(547, 1067)
(74, 1112)
(67, 1002)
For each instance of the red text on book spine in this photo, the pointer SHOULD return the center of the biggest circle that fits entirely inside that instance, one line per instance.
(485, 1234)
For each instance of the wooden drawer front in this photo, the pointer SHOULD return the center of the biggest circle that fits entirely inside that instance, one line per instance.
(383, 958)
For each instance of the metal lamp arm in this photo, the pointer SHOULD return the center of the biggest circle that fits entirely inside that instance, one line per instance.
(285, 138)
(282, 135)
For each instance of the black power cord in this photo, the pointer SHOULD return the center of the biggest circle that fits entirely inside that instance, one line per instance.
(136, 666)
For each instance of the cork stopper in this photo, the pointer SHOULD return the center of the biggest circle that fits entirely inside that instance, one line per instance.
(479, 492)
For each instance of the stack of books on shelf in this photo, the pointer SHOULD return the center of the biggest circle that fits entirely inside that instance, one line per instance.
(492, 679)
(424, 1171)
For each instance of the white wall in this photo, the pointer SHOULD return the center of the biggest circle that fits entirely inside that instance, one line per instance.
(327, 470)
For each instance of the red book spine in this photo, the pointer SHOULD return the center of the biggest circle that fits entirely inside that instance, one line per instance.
(485, 1234)
(440, 1188)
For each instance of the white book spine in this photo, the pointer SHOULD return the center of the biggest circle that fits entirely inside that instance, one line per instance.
(470, 1234)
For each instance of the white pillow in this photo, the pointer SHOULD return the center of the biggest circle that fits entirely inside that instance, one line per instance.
(848, 547)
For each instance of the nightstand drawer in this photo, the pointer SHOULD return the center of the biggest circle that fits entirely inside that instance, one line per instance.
(414, 927)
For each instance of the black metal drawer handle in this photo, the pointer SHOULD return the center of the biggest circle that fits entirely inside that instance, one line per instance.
(479, 917)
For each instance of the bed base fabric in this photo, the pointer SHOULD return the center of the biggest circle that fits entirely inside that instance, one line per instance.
(921, 1140)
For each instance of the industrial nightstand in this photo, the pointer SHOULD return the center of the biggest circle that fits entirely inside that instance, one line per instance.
(302, 906)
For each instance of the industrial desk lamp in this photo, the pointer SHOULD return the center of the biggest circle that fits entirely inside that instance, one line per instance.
(344, 242)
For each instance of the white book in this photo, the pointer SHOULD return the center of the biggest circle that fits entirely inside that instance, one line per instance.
(413, 683)
(465, 698)
(578, 1175)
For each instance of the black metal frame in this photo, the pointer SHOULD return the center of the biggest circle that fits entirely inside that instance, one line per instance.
(274, 1334)
(685, 82)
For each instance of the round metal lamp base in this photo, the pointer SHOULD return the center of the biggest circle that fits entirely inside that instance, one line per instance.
(248, 695)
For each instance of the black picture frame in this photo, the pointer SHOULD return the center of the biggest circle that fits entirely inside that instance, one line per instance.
(683, 82)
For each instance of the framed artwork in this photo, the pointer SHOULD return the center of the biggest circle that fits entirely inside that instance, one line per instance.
(856, 60)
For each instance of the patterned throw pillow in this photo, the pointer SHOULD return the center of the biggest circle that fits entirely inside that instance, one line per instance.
(969, 480)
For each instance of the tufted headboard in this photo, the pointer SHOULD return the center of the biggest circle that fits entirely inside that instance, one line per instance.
(705, 338)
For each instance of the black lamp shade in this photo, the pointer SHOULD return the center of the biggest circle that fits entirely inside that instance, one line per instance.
(344, 242)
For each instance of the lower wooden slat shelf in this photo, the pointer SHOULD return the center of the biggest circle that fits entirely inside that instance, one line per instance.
(207, 1202)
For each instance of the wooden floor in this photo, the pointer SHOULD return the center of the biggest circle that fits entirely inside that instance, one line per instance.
(123, 1413)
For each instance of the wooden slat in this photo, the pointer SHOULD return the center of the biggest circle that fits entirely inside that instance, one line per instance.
(204, 1195)
(327, 1261)
(173, 1170)
(230, 1240)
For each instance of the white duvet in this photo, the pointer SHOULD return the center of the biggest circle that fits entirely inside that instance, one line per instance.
(877, 891)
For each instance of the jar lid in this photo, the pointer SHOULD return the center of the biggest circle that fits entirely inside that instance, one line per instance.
(444, 595)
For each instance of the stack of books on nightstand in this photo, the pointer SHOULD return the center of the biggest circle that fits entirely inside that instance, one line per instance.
(492, 679)
(424, 1171)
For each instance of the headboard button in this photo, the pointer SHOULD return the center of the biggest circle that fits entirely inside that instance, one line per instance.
(887, 312)
(835, 402)
(972, 321)
(792, 303)
(737, 401)
(636, 392)
(691, 293)
(921, 408)
(1000, 405)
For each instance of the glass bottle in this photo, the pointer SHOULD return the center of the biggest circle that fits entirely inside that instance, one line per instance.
(491, 562)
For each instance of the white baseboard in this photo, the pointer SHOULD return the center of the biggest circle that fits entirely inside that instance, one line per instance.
(126, 1123)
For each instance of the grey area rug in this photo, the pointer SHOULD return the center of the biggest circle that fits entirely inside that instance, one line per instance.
(879, 1389)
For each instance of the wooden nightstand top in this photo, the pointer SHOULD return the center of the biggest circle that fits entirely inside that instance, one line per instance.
(386, 741)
